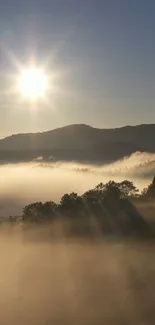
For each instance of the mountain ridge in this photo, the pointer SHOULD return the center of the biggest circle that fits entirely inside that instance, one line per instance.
(81, 124)
(79, 142)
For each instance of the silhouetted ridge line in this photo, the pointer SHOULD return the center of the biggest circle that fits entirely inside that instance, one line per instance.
(79, 142)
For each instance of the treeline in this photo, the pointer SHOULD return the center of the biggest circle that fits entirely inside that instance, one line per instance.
(109, 207)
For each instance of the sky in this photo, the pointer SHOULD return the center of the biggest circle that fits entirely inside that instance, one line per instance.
(100, 52)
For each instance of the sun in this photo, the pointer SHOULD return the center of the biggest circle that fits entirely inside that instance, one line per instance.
(32, 83)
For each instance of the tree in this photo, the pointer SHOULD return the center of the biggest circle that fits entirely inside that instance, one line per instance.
(70, 204)
(39, 211)
(127, 189)
(107, 206)
(30, 212)
(149, 192)
(49, 209)
(124, 189)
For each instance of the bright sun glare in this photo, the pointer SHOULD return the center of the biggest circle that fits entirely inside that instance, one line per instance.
(32, 83)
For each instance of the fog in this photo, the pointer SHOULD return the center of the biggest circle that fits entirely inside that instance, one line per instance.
(24, 183)
(75, 282)
(62, 280)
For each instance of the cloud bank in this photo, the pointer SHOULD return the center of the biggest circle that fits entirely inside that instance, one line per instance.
(24, 183)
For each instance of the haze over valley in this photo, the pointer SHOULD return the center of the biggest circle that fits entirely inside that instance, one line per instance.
(44, 166)
(77, 162)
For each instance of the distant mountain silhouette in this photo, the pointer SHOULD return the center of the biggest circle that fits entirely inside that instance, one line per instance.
(79, 142)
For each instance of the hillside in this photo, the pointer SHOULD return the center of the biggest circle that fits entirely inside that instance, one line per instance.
(79, 142)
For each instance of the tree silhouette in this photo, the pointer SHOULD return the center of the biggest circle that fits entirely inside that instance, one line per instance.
(37, 212)
(71, 205)
(124, 189)
(110, 205)
(149, 192)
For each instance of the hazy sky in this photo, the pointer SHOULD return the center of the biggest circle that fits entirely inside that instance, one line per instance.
(102, 52)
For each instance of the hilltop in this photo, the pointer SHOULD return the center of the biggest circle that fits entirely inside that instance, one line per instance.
(79, 142)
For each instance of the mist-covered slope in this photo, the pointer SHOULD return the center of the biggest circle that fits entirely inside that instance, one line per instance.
(79, 142)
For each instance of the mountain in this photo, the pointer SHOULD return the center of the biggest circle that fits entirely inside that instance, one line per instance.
(79, 142)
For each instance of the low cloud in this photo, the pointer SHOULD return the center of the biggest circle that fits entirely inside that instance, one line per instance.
(24, 183)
